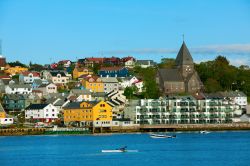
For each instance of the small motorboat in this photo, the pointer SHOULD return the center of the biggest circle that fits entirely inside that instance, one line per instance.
(162, 136)
(204, 132)
(119, 150)
(114, 151)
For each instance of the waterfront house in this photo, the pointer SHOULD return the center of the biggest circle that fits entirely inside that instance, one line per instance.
(18, 89)
(41, 113)
(93, 83)
(4, 120)
(88, 113)
(200, 109)
(113, 72)
(78, 72)
(28, 77)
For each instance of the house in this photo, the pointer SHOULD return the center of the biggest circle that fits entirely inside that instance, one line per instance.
(41, 113)
(47, 88)
(93, 83)
(182, 78)
(113, 61)
(139, 85)
(15, 70)
(18, 89)
(38, 82)
(65, 63)
(113, 72)
(110, 84)
(77, 72)
(145, 63)
(4, 120)
(59, 77)
(28, 77)
(129, 62)
(82, 94)
(123, 122)
(14, 102)
(89, 62)
(88, 113)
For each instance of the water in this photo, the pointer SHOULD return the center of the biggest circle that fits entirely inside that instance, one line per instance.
(216, 148)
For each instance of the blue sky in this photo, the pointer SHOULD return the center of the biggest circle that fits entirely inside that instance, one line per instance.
(44, 31)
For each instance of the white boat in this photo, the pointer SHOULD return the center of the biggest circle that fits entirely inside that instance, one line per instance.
(162, 136)
(204, 132)
(114, 151)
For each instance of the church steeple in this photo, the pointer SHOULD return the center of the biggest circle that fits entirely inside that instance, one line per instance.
(184, 57)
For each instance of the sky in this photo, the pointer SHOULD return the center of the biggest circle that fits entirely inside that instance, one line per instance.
(46, 31)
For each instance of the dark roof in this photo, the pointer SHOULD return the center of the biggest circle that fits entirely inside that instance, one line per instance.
(73, 105)
(54, 73)
(184, 57)
(36, 106)
(170, 75)
(146, 62)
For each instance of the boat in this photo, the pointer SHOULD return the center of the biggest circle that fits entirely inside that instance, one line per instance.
(204, 132)
(119, 150)
(162, 136)
(114, 151)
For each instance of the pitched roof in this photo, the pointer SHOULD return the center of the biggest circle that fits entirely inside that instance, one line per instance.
(184, 57)
(36, 106)
(80, 91)
(170, 75)
(109, 80)
(145, 62)
(54, 73)
(95, 59)
(20, 86)
(125, 59)
(35, 74)
(115, 68)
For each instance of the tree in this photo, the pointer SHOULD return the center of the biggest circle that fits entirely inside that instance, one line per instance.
(167, 63)
(17, 63)
(36, 67)
(129, 92)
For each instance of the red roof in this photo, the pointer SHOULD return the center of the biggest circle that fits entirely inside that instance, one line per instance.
(115, 68)
(125, 59)
(35, 74)
(37, 91)
(95, 59)
(5, 77)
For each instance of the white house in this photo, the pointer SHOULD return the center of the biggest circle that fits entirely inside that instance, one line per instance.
(81, 94)
(123, 123)
(139, 85)
(41, 113)
(28, 77)
(59, 77)
(130, 81)
(18, 89)
(6, 121)
(48, 88)
(129, 61)
(145, 63)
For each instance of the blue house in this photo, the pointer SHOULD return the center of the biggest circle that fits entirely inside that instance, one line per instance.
(113, 72)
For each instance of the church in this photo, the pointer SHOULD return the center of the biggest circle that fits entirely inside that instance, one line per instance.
(182, 78)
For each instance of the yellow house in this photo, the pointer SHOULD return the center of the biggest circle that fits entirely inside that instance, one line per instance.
(89, 113)
(77, 72)
(93, 83)
(15, 70)
(2, 112)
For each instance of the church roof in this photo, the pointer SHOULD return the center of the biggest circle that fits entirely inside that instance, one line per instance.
(184, 57)
(170, 75)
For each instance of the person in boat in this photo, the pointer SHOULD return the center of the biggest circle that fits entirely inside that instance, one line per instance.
(123, 148)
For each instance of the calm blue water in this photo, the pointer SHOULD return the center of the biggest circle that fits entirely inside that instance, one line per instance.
(217, 148)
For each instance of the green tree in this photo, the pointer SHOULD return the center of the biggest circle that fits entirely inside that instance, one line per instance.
(167, 63)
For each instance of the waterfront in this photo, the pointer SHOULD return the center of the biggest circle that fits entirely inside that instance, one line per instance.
(216, 148)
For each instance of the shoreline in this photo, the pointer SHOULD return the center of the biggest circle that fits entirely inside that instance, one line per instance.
(127, 130)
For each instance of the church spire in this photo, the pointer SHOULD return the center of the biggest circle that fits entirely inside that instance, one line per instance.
(184, 57)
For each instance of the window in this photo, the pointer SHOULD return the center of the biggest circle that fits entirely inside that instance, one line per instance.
(47, 114)
(53, 114)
